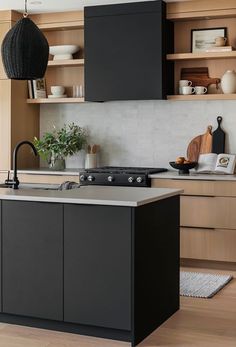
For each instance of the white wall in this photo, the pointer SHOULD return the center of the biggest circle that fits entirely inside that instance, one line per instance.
(143, 133)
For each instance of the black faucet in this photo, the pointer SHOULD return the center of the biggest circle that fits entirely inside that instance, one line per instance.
(14, 183)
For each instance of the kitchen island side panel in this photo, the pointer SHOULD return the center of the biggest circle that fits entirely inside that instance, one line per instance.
(155, 266)
(97, 270)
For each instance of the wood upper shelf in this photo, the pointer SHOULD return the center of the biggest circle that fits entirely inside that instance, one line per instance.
(202, 97)
(201, 9)
(55, 101)
(202, 55)
(72, 62)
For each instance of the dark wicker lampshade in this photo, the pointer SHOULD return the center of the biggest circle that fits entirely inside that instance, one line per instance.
(25, 51)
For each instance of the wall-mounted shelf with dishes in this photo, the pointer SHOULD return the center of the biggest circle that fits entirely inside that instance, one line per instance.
(202, 97)
(202, 55)
(55, 101)
(61, 30)
(70, 62)
(199, 15)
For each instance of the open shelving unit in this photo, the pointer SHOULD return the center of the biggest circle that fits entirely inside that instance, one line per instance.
(202, 97)
(55, 101)
(61, 63)
(63, 29)
(202, 55)
(199, 15)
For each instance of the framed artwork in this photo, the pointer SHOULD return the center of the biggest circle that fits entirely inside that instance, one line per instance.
(202, 39)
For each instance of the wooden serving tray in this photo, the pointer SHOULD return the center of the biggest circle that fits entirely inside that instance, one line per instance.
(199, 76)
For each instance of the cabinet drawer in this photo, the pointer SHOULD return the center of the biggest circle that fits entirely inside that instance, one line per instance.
(208, 244)
(194, 187)
(208, 212)
(190, 187)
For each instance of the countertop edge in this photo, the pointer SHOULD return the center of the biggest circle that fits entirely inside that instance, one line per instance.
(193, 176)
(164, 196)
(32, 196)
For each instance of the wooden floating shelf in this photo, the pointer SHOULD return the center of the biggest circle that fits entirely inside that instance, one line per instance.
(61, 63)
(202, 97)
(63, 26)
(55, 101)
(202, 55)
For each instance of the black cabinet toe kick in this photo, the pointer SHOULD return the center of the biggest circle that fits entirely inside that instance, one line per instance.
(107, 333)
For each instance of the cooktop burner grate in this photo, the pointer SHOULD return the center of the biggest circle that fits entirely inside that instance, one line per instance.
(125, 170)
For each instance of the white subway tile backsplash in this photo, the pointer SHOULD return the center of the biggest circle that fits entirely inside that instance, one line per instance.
(143, 133)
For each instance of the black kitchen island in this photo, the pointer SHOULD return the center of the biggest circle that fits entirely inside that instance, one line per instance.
(101, 261)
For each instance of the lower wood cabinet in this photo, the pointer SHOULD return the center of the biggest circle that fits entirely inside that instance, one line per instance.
(32, 259)
(208, 244)
(207, 218)
(208, 212)
(97, 268)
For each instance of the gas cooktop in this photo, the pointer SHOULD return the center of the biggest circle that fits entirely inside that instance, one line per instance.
(119, 176)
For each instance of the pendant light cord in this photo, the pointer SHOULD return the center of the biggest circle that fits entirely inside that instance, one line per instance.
(25, 15)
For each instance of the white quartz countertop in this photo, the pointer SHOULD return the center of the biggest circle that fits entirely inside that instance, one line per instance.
(92, 195)
(45, 171)
(193, 176)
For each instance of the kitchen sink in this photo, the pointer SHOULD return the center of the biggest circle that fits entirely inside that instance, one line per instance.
(43, 186)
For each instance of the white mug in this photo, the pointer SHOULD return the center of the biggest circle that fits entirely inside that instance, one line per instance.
(183, 83)
(220, 41)
(187, 90)
(199, 90)
(58, 90)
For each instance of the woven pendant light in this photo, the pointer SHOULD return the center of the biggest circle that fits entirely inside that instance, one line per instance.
(25, 50)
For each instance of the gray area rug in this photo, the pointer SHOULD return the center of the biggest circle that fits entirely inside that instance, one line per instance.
(202, 285)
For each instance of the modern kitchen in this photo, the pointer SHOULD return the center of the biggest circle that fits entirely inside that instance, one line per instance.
(117, 173)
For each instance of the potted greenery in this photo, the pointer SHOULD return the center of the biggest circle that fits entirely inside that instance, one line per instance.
(54, 147)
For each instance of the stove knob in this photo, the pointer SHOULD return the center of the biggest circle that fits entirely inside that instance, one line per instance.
(82, 178)
(110, 178)
(130, 179)
(139, 179)
(91, 178)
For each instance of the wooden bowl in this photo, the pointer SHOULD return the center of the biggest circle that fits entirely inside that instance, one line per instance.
(183, 168)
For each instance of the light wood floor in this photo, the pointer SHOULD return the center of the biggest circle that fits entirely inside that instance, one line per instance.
(200, 322)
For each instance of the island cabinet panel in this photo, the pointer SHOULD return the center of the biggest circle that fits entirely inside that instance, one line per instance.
(125, 50)
(32, 268)
(0, 256)
(97, 270)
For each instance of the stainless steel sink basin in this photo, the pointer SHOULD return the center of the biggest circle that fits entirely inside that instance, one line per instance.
(43, 186)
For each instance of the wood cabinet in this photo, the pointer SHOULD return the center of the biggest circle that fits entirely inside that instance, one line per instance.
(207, 218)
(125, 50)
(4, 28)
(32, 259)
(188, 15)
(97, 280)
(18, 121)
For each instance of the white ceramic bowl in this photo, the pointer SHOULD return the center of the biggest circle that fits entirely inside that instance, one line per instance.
(57, 90)
(63, 52)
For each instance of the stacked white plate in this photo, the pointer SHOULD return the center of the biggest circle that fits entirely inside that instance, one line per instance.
(52, 96)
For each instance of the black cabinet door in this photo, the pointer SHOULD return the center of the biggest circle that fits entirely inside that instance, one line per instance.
(125, 52)
(97, 270)
(32, 262)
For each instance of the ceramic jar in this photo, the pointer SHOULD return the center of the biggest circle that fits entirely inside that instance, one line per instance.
(228, 82)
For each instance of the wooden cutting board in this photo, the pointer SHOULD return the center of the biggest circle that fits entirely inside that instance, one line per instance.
(199, 76)
(201, 144)
(218, 141)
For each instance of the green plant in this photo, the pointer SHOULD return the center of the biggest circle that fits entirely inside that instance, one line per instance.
(62, 143)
